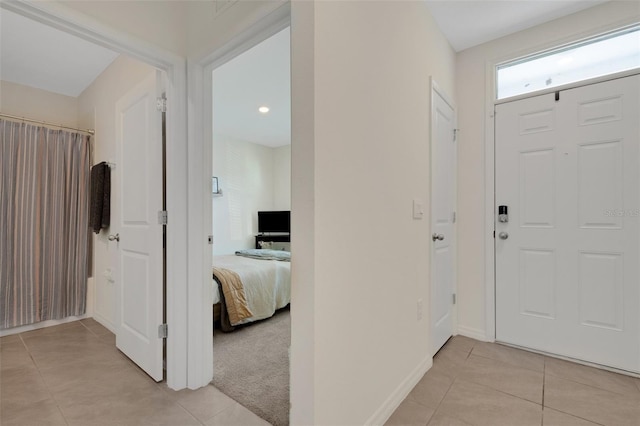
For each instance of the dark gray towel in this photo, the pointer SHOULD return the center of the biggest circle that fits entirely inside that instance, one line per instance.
(100, 197)
(106, 197)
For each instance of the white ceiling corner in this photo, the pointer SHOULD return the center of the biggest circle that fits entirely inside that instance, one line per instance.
(468, 23)
(36, 55)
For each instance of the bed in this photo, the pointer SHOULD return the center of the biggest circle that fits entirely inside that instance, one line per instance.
(265, 281)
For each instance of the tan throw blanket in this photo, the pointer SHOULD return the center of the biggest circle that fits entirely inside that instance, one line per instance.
(234, 296)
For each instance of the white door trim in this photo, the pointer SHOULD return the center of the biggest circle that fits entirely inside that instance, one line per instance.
(75, 23)
(489, 181)
(199, 178)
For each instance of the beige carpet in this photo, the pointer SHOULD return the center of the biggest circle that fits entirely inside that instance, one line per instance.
(251, 365)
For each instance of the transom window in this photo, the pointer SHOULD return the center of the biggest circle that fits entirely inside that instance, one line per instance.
(605, 54)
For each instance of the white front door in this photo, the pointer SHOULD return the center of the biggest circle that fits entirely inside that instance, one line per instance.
(139, 253)
(567, 260)
(442, 216)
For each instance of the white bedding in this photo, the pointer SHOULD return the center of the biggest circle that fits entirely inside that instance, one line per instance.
(267, 283)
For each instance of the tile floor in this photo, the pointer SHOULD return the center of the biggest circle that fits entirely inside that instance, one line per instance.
(73, 374)
(476, 383)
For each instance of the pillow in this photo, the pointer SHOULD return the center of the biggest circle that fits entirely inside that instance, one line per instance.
(265, 245)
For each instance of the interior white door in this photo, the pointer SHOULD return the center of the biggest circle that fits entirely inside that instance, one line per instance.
(442, 217)
(567, 261)
(139, 253)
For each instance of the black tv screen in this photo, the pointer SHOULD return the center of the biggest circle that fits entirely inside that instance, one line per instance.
(274, 221)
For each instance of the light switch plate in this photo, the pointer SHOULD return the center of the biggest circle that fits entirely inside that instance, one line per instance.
(418, 209)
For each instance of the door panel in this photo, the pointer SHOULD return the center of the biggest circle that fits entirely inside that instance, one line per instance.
(442, 208)
(599, 183)
(567, 273)
(601, 290)
(538, 283)
(537, 180)
(140, 246)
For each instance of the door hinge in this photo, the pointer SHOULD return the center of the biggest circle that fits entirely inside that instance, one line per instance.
(455, 134)
(163, 217)
(161, 104)
(162, 331)
(454, 298)
(494, 234)
(453, 217)
(210, 239)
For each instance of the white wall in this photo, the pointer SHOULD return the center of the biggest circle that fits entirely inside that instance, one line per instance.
(474, 108)
(38, 104)
(209, 29)
(282, 178)
(159, 22)
(96, 110)
(369, 157)
(249, 181)
(302, 358)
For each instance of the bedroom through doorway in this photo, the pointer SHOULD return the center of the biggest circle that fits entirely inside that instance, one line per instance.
(251, 210)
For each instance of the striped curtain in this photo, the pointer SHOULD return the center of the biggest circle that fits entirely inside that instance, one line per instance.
(44, 223)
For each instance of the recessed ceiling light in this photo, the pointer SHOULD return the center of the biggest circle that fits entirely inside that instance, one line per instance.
(263, 109)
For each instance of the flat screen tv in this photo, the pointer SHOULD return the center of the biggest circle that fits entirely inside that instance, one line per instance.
(274, 221)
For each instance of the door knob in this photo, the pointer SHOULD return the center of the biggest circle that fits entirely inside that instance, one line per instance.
(438, 237)
(114, 237)
(503, 235)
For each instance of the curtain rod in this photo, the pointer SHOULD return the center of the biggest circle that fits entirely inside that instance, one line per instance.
(14, 117)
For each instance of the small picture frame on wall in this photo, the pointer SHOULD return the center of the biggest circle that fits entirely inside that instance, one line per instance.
(215, 187)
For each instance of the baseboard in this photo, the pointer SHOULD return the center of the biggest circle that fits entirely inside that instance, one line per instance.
(473, 333)
(387, 408)
(39, 325)
(104, 322)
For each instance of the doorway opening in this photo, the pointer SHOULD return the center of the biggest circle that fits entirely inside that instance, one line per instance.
(107, 93)
(251, 208)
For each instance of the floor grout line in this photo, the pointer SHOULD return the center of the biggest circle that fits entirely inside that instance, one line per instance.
(90, 330)
(541, 407)
(544, 378)
(573, 415)
(455, 378)
(49, 390)
(64, 411)
(622, 394)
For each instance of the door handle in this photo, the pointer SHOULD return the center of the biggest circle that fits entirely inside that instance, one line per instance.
(114, 237)
(438, 237)
(503, 235)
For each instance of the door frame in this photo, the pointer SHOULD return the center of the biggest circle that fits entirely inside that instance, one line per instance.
(75, 23)
(200, 69)
(435, 88)
(490, 164)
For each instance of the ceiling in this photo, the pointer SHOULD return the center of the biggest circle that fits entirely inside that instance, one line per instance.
(36, 55)
(468, 23)
(39, 56)
(258, 77)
